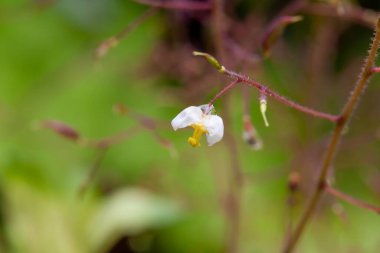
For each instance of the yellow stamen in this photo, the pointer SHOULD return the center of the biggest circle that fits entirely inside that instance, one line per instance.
(195, 140)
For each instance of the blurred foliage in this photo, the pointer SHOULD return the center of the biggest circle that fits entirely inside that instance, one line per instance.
(143, 194)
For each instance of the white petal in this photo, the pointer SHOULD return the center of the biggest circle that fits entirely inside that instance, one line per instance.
(188, 116)
(215, 129)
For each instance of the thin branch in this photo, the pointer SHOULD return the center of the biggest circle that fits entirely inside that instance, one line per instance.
(224, 90)
(235, 186)
(351, 200)
(352, 13)
(270, 93)
(265, 90)
(233, 196)
(218, 27)
(106, 45)
(177, 5)
(92, 172)
(334, 141)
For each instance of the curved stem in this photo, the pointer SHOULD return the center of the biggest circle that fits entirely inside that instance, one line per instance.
(335, 138)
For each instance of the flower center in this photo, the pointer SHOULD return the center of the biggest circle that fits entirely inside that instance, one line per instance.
(195, 140)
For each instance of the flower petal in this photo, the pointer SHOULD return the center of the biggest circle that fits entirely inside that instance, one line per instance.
(187, 117)
(215, 129)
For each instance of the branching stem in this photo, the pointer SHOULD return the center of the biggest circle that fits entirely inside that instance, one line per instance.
(270, 93)
(334, 141)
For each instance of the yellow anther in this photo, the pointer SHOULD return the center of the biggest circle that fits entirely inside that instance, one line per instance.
(195, 140)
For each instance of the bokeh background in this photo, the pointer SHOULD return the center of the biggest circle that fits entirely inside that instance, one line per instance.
(151, 191)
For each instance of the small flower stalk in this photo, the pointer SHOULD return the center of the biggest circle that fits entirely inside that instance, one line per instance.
(263, 108)
(203, 121)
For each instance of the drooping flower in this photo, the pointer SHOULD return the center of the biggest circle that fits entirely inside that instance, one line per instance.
(203, 121)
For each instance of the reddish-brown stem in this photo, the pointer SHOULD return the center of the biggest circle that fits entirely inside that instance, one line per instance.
(177, 5)
(334, 141)
(270, 93)
(351, 200)
(352, 13)
(224, 90)
(375, 70)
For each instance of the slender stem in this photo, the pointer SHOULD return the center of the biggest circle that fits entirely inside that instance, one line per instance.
(177, 5)
(92, 172)
(218, 28)
(375, 70)
(224, 90)
(233, 196)
(351, 200)
(235, 186)
(114, 40)
(270, 93)
(352, 13)
(135, 23)
(335, 138)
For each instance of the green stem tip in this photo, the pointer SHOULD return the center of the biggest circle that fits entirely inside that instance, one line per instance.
(211, 59)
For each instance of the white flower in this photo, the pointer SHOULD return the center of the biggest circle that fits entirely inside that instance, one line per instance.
(203, 121)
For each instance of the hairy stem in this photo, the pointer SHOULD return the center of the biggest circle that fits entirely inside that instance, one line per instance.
(334, 141)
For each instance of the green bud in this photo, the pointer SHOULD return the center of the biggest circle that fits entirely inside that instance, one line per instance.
(263, 109)
(211, 59)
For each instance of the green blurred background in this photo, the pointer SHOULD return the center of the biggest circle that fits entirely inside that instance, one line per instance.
(146, 197)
